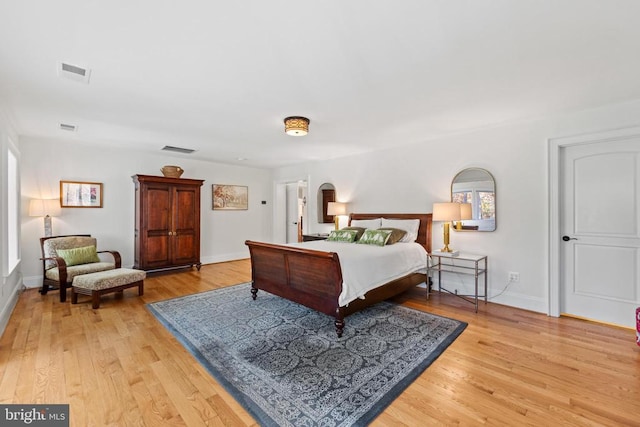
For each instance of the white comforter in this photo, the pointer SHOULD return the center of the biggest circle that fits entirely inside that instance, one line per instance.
(365, 267)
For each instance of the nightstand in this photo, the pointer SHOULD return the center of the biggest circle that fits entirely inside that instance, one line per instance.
(463, 263)
(311, 237)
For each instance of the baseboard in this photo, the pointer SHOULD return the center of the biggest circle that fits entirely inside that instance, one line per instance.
(5, 315)
(525, 302)
(32, 282)
(225, 257)
(510, 298)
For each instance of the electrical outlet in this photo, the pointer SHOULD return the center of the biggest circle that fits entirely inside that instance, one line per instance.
(514, 277)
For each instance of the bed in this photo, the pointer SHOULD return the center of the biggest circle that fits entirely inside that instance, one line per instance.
(314, 278)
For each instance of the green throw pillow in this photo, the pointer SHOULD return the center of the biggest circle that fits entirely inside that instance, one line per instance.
(360, 231)
(77, 256)
(396, 234)
(347, 236)
(375, 237)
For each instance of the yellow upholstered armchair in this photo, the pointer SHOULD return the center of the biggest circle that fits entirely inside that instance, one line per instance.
(64, 257)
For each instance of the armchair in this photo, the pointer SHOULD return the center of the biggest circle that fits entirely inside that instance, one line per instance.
(65, 257)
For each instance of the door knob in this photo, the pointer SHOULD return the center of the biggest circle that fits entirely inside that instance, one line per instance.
(567, 238)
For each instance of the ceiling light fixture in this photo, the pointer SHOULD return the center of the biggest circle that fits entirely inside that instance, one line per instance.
(296, 126)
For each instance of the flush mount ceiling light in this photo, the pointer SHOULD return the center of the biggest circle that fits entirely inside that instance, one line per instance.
(296, 126)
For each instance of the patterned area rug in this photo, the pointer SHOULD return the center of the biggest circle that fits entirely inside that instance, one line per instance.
(285, 364)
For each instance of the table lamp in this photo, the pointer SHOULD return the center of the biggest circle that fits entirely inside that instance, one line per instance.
(46, 209)
(447, 212)
(336, 209)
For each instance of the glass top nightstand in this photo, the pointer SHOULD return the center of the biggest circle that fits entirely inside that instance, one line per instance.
(463, 263)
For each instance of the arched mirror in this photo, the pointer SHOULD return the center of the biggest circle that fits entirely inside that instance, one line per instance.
(326, 194)
(477, 187)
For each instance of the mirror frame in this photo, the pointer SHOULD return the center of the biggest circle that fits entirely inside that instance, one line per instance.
(495, 193)
(326, 194)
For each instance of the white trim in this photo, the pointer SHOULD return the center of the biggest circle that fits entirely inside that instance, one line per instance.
(225, 257)
(279, 233)
(13, 263)
(555, 147)
(511, 298)
(32, 282)
(7, 310)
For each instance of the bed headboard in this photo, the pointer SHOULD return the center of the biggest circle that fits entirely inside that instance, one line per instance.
(424, 232)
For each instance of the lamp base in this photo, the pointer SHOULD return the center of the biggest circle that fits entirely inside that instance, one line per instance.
(48, 229)
(445, 239)
(337, 221)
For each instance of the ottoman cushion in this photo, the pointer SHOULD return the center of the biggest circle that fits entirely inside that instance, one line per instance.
(108, 279)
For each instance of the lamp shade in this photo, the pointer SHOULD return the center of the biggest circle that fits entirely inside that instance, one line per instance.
(446, 211)
(336, 208)
(44, 207)
(465, 211)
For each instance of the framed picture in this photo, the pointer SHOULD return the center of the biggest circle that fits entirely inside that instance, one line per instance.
(230, 197)
(80, 194)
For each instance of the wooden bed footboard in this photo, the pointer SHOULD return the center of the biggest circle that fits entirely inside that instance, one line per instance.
(309, 277)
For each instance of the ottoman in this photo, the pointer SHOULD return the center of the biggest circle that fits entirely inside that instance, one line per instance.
(104, 282)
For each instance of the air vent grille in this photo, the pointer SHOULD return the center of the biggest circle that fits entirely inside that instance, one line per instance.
(73, 69)
(68, 127)
(74, 72)
(178, 149)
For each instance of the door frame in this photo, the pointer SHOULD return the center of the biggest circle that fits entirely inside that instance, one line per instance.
(556, 145)
(280, 207)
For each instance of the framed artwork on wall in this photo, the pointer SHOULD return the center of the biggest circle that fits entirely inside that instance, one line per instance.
(230, 197)
(74, 194)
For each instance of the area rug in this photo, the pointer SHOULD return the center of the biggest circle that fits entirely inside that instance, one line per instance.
(285, 364)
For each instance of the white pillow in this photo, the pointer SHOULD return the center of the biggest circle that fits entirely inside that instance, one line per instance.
(367, 223)
(409, 225)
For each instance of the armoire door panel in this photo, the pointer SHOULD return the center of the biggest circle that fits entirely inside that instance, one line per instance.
(158, 209)
(183, 246)
(157, 250)
(185, 209)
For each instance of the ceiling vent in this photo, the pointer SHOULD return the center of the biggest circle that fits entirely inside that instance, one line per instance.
(74, 72)
(178, 149)
(68, 127)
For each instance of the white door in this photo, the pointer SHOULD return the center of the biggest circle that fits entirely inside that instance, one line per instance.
(600, 230)
(293, 212)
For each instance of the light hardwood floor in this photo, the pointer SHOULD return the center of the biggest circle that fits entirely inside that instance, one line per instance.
(118, 366)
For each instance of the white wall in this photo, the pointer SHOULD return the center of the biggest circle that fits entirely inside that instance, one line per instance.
(411, 178)
(11, 281)
(46, 162)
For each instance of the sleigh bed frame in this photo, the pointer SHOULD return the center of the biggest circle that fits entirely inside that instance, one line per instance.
(314, 278)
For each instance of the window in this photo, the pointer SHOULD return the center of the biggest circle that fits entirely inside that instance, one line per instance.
(13, 211)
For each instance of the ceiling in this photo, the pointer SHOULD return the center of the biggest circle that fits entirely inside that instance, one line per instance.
(219, 77)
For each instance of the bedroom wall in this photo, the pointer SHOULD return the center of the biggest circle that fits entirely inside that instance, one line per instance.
(46, 162)
(411, 178)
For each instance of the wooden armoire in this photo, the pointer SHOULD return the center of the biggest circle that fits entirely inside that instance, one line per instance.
(167, 222)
